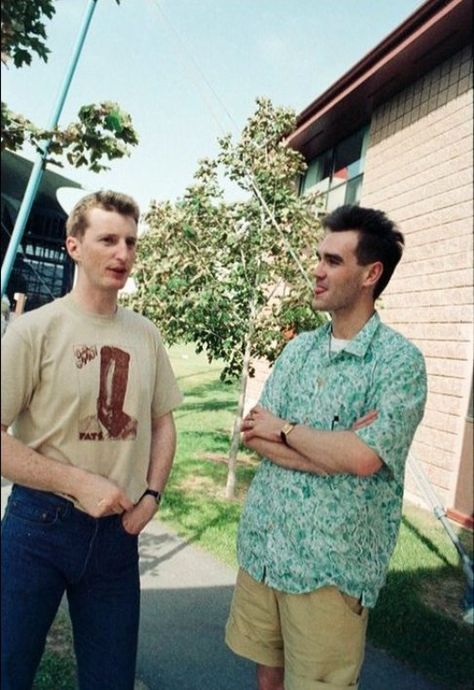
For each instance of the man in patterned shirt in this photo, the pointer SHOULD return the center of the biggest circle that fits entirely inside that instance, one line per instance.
(334, 425)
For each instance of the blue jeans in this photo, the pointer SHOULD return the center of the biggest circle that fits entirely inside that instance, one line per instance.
(49, 548)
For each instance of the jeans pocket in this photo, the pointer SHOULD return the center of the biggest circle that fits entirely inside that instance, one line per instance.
(123, 529)
(34, 513)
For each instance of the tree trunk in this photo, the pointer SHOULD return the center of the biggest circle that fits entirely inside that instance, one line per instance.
(235, 442)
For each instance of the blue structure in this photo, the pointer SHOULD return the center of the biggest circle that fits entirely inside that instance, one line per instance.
(34, 180)
(42, 269)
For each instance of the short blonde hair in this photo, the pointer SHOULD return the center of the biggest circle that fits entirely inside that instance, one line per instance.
(78, 220)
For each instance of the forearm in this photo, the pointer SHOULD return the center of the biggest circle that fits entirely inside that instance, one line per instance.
(283, 455)
(163, 448)
(97, 495)
(335, 452)
(319, 452)
(25, 466)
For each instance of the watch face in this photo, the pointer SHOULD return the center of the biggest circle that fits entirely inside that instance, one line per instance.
(286, 430)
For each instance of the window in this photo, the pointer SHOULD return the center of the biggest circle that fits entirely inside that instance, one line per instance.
(337, 173)
(42, 269)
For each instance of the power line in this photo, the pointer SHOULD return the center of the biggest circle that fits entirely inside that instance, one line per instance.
(193, 61)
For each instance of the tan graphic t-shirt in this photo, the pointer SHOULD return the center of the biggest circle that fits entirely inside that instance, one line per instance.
(83, 388)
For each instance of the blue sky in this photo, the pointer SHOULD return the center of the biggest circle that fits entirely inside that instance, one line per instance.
(142, 53)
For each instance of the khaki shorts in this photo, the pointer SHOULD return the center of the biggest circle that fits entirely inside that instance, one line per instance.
(318, 638)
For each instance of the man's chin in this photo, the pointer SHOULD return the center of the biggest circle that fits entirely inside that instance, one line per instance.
(318, 305)
(117, 283)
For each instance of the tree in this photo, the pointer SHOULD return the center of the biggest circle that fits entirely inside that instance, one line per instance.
(232, 278)
(101, 130)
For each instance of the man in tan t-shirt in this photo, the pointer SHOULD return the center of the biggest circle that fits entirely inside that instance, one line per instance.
(88, 393)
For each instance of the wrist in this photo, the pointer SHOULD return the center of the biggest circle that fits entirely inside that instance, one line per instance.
(151, 494)
(285, 431)
(74, 479)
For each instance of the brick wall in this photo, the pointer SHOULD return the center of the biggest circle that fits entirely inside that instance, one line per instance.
(419, 170)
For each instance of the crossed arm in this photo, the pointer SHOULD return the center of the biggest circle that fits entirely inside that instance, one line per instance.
(97, 495)
(308, 449)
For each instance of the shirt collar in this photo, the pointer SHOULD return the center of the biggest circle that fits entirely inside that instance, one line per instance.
(359, 344)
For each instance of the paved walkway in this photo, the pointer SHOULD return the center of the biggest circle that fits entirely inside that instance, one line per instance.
(185, 600)
(186, 595)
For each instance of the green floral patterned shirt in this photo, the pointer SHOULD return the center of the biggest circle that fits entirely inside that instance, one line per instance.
(301, 531)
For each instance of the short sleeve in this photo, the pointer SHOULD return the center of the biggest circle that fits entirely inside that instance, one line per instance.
(167, 395)
(399, 396)
(20, 375)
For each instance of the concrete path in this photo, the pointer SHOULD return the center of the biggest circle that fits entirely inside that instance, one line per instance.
(186, 595)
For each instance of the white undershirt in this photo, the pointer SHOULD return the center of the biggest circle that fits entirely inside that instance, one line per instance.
(337, 344)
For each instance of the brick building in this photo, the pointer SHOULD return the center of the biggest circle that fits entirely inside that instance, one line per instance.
(395, 132)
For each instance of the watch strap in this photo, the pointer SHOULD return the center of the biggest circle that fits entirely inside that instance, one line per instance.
(155, 494)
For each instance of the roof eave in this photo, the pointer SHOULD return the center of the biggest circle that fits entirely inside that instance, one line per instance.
(436, 22)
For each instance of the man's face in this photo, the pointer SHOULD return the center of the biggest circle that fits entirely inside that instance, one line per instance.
(106, 252)
(339, 279)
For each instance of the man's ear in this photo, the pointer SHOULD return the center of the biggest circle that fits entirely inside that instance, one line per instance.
(374, 271)
(73, 247)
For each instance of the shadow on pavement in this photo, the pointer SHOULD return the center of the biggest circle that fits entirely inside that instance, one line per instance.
(182, 642)
(186, 597)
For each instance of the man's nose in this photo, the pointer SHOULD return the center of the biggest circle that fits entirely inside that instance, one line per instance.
(123, 251)
(318, 271)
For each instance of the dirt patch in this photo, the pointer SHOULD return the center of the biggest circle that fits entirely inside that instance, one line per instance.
(242, 460)
(203, 485)
(207, 486)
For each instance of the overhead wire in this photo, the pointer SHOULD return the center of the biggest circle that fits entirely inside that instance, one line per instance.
(193, 61)
(185, 51)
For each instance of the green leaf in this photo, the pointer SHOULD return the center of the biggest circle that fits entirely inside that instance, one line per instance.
(113, 121)
(214, 266)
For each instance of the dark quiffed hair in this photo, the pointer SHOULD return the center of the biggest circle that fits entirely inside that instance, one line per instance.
(77, 222)
(379, 238)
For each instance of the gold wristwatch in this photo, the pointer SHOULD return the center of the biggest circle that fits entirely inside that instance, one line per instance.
(285, 430)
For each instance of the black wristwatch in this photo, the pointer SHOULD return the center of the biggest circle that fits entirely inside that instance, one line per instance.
(155, 494)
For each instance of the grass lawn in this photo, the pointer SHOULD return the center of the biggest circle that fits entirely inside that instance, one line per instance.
(57, 668)
(194, 501)
(418, 616)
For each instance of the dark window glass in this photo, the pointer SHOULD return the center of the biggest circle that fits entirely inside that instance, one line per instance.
(348, 158)
(353, 190)
(338, 173)
(319, 171)
(42, 269)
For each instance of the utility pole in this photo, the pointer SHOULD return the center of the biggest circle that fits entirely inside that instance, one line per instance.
(39, 164)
